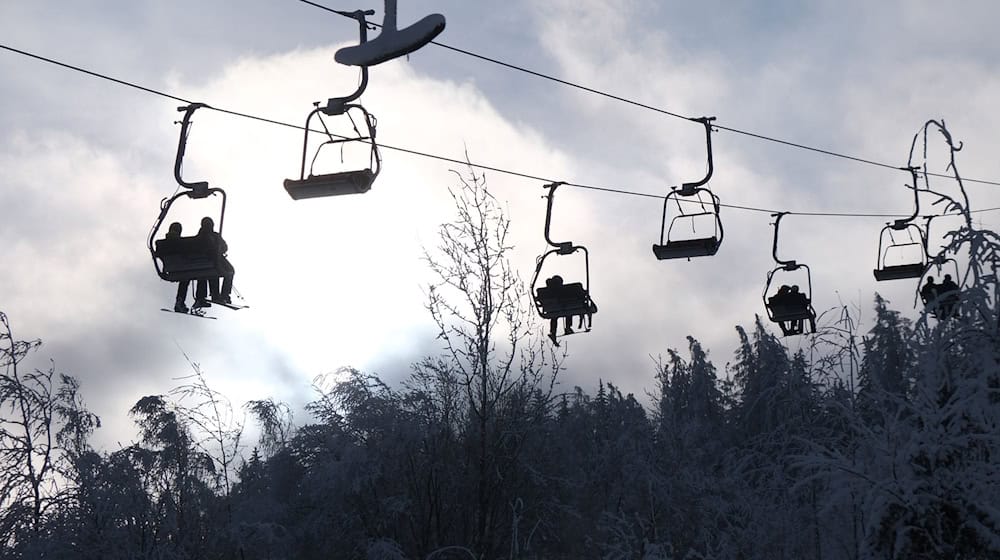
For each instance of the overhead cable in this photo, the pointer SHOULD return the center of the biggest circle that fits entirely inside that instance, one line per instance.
(419, 153)
(660, 110)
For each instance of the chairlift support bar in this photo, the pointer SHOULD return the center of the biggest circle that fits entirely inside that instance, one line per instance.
(199, 189)
(787, 265)
(338, 105)
(562, 247)
(902, 223)
(688, 189)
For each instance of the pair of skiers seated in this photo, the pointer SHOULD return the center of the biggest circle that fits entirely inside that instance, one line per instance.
(790, 308)
(218, 267)
(559, 300)
(788, 300)
(941, 300)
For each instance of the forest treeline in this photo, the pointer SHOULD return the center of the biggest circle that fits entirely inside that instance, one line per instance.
(877, 444)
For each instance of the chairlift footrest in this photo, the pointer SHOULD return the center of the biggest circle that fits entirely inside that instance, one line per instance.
(900, 272)
(687, 248)
(332, 184)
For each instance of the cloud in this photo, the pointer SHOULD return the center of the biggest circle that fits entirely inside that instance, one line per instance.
(336, 282)
(790, 83)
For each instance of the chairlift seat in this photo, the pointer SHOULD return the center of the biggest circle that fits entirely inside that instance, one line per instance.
(687, 248)
(568, 300)
(188, 258)
(331, 184)
(789, 310)
(792, 316)
(899, 272)
(944, 305)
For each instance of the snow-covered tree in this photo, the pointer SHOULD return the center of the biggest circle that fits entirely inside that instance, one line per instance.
(44, 429)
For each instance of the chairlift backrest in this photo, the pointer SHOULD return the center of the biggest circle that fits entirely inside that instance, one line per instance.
(188, 258)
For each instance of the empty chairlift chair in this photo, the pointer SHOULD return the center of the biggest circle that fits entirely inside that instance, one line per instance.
(353, 180)
(350, 181)
(697, 212)
(912, 251)
(899, 260)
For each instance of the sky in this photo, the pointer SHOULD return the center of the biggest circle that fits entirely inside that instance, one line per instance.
(342, 281)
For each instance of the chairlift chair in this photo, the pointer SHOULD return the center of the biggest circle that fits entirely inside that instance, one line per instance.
(179, 259)
(351, 181)
(556, 299)
(945, 305)
(913, 268)
(672, 246)
(791, 310)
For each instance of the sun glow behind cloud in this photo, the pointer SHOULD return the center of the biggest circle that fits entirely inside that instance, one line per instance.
(339, 281)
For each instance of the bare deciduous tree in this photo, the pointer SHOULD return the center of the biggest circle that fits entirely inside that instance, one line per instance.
(39, 410)
(476, 301)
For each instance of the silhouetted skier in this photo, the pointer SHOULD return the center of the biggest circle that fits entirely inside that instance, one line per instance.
(180, 302)
(556, 286)
(780, 304)
(221, 248)
(948, 294)
(929, 294)
(800, 303)
(782, 295)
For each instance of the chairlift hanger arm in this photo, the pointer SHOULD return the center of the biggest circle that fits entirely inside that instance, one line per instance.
(903, 222)
(200, 188)
(688, 189)
(337, 105)
(563, 247)
(927, 237)
(787, 265)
